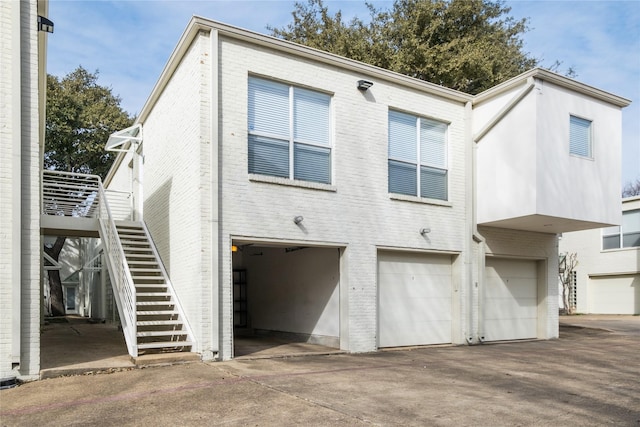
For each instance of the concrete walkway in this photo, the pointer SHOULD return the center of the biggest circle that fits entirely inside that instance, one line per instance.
(589, 377)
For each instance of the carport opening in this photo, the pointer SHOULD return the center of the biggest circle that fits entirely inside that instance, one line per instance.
(286, 299)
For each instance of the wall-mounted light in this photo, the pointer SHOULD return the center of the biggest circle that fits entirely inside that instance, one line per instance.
(298, 219)
(45, 25)
(364, 85)
(425, 231)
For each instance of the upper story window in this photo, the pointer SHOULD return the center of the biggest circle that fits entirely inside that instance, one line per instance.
(289, 131)
(580, 137)
(417, 156)
(625, 236)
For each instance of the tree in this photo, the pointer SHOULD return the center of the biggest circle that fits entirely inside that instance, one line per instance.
(631, 188)
(468, 45)
(566, 274)
(80, 117)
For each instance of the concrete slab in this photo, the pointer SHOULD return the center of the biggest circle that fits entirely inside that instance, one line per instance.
(589, 377)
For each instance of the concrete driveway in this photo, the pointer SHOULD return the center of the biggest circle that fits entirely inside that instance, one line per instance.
(589, 377)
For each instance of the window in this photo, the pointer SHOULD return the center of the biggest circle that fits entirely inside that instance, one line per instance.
(580, 136)
(289, 131)
(625, 236)
(417, 156)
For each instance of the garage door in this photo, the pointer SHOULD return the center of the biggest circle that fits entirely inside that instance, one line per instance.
(414, 299)
(510, 295)
(614, 295)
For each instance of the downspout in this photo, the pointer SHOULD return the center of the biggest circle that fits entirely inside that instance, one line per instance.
(214, 243)
(468, 300)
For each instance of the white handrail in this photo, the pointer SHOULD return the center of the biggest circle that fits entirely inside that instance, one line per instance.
(125, 291)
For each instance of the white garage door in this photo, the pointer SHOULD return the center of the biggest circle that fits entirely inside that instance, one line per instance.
(510, 296)
(614, 295)
(414, 299)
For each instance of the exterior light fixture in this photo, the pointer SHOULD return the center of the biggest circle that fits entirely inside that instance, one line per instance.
(298, 219)
(425, 231)
(363, 85)
(234, 248)
(45, 24)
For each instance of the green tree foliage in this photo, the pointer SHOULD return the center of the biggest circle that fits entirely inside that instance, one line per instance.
(81, 115)
(468, 45)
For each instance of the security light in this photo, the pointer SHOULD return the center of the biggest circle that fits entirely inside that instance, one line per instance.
(45, 25)
(298, 219)
(363, 85)
(425, 231)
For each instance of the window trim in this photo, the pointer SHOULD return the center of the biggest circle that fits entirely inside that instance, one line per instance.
(418, 163)
(589, 155)
(620, 234)
(291, 140)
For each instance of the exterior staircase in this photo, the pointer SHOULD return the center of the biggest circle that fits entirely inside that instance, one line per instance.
(159, 323)
(150, 314)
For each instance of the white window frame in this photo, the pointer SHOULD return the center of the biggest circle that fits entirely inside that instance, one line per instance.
(418, 163)
(589, 154)
(290, 138)
(620, 233)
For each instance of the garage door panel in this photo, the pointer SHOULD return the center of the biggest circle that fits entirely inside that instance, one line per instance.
(415, 286)
(509, 329)
(510, 299)
(414, 299)
(513, 288)
(509, 309)
(614, 295)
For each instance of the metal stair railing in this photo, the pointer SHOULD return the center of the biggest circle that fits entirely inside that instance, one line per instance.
(121, 280)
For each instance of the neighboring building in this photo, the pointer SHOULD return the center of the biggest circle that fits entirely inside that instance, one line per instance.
(22, 95)
(608, 272)
(290, 191)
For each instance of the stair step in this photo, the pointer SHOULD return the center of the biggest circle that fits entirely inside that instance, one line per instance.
(138, 262)
(152, 294)
(126, 249)
(145, 269)
(160, 333)
(147, 303)
(138, 236)
(156, 312)
(146, 256)
(150, 285)
(165, 344)
(147, 278)
(158, 322)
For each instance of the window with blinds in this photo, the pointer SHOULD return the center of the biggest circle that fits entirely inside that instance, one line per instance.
(580, 137)
(289, 131)
(417, 156)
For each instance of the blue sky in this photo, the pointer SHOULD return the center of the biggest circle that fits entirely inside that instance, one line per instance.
(129, 42)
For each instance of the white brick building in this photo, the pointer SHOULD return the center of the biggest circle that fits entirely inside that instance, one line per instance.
(339, 237)
(284, 199)
(22, 77)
